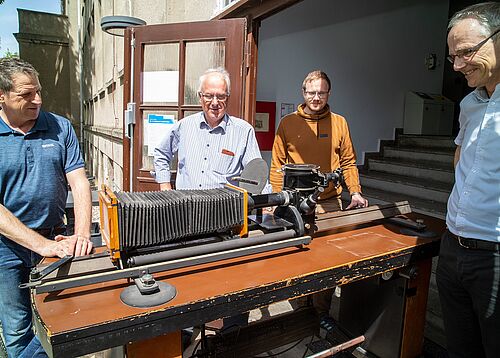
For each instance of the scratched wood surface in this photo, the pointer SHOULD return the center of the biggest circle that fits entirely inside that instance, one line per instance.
(210, 291)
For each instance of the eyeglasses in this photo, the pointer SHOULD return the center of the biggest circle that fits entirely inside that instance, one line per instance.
(209, 97)
(466, 54)
(312, 94)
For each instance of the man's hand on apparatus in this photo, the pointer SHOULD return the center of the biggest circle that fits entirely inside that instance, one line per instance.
(165, 186)
(81, 244)
(357, 201)
(57, 248)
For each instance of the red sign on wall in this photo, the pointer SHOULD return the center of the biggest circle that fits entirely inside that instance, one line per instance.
(265, 124)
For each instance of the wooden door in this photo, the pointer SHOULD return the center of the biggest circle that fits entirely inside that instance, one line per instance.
(162, 67)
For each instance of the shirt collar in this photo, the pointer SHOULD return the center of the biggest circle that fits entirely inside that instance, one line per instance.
(222, 125)
(481, 94)
(324, 113)
(4, 128)
(40, 125)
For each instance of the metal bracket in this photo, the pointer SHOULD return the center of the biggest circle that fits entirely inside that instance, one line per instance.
(146, 284)
(248, 53)
(36, 275)
(129, 119)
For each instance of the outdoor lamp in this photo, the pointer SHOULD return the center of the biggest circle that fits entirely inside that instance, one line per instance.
(115, 25)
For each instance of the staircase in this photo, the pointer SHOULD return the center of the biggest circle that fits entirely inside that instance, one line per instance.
(418, 169)
(415, 168)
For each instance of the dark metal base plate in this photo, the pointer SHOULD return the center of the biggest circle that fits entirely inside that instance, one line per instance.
(133, 297)
(424, 233)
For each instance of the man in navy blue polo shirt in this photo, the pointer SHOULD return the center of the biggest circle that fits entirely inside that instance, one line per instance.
(39, 157)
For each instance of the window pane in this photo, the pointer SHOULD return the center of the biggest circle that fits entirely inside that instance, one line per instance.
(155, 126)
(188, 113)
(200, 56)
(161, 74)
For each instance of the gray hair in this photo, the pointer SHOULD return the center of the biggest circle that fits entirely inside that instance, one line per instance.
(11, 66)
(219, 71)
(487, 14)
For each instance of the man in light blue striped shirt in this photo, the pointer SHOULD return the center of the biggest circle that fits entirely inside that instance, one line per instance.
(212, 146)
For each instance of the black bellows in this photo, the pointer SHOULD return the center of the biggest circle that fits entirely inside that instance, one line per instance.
(147, 219)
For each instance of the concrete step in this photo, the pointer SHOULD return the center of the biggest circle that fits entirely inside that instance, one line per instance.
(437, 171)
(424, 189)
(409, 140)
(444, 156)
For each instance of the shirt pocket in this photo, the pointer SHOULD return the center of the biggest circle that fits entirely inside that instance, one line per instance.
(223, 164)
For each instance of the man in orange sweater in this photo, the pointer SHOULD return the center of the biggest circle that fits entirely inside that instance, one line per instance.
(314, 135)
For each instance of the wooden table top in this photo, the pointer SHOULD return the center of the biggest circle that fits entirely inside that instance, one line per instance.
(209, 291)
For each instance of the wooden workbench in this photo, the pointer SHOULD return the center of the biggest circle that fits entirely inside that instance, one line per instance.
(88, 319)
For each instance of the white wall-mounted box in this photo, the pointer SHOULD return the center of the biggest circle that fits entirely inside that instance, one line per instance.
(428, 114)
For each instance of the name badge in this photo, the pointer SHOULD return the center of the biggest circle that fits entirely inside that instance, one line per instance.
(227, 152)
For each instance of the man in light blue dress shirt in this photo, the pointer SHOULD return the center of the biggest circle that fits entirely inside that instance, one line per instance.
(468, 273)
(212, 146)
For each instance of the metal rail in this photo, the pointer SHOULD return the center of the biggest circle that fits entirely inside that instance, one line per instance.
(57, 284)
